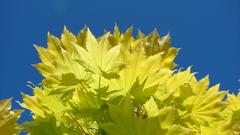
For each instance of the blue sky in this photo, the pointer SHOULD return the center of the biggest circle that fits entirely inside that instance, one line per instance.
(208, 33)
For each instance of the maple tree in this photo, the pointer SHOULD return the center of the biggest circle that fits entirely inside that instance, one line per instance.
(120, 85)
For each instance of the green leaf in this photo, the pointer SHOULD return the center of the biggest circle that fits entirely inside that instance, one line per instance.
(46, 126)
(122, 123)
(179, 130)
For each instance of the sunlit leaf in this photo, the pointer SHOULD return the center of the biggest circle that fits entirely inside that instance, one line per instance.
(9, 118)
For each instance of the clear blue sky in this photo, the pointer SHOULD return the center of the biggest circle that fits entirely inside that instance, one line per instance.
(208, 31)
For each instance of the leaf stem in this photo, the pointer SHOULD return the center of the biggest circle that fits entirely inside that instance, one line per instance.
(79, 125)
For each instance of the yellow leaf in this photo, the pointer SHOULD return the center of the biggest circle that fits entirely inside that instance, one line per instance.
(9, 118)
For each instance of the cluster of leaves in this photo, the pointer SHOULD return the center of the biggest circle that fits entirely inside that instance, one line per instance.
(8, 118)
(120, 85)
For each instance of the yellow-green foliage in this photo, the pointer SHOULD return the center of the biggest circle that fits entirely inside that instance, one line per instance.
(8, 118)
(120, 85)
